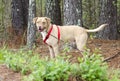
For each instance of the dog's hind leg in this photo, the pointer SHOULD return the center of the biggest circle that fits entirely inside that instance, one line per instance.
(81, 41)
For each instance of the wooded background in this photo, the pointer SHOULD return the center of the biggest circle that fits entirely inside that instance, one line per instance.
(16, 17)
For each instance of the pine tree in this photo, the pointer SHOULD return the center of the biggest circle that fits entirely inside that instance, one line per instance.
(72, 12)
(53, 11)
(108, 14)
(31, 27)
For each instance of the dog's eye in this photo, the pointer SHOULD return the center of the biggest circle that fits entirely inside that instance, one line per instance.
(37, 22)
(43, 22)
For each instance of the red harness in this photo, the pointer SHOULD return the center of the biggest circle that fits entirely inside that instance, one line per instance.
(49, 33)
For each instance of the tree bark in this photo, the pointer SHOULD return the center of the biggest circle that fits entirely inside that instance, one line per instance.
(73, 12)
(19, 15)
(53, 11)
(108, 14)
(7, 13)
(31, 27)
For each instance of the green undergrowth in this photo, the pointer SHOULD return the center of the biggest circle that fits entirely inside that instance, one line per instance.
(89, 68)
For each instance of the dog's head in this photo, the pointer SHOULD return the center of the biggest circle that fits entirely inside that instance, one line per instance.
(42, 23)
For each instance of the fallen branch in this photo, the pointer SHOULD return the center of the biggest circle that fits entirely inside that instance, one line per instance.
(109, 58)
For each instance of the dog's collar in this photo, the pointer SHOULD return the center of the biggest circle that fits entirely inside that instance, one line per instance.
(49, 33)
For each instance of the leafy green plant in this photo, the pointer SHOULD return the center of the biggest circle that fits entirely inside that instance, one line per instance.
(1, 56)
(91, 68)
(19, 61)
(114, 74)
(54, 70)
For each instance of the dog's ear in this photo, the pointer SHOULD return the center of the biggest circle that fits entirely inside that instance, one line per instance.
(48, 20)
(35, 19)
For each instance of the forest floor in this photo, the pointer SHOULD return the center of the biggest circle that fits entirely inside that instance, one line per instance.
(108, 48)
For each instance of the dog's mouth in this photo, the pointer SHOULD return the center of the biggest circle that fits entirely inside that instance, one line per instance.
(41, 29)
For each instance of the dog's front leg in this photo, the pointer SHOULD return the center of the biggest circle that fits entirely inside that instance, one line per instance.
(56, 50)
(52, 54)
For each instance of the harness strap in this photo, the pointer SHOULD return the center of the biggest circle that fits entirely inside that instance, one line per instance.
(58, 34)
(47, 36)
(49, 33)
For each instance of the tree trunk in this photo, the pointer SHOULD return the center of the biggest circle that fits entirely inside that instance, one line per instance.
(7, 13)
(90, 12)
(73, 12)
(53, 11)
(108, 14)
(31, 27)
(19, 15)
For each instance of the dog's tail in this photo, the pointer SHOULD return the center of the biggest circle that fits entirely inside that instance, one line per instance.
(97, 29)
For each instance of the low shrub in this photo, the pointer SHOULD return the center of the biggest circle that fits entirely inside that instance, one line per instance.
(39, 69)
(90, 68)
(1, 56)
(19, 61)
(54, 70)
(114, 74)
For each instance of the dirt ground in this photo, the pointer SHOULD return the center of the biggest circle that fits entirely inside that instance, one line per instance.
(110, 49)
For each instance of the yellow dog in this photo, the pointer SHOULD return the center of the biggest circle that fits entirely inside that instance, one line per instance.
(52, 34)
